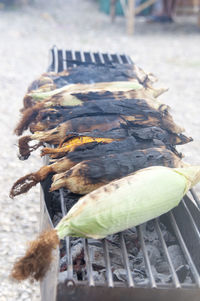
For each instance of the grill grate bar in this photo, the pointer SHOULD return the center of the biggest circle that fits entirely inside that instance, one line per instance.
(146, 257)
(82, 57)
(196, 230)
(74, 58)
(129, 60)
(66, 62)
(195, 197)
(166, 254)
(107, 262)
(67, 240)
(101, 58)
(126, 261)
(55, 54)
(88, 262)
(184, 248)
(92, 58)
(119, 59)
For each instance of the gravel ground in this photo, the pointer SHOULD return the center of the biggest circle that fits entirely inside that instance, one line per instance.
(169, 51)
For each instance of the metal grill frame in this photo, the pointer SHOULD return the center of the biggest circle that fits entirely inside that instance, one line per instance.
(189, 208)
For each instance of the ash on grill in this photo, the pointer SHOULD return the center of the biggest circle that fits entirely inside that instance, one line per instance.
(159, 265)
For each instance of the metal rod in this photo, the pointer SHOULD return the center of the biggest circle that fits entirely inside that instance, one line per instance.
(195, 197)
(108, 264)
(67, 240)
(65, 63)
(73, 58)
(119, 59)
(126, 261)
(130, 62)
(146, 258)
(55, 50)
(196, 230)
(110, 58)
(184, 249)
(166, 254)
(92, 57)
(88, 262)
(82, 56)
(101, 58)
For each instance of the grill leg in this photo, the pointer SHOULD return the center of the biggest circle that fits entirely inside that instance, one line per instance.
(112, 10)
(130, 17)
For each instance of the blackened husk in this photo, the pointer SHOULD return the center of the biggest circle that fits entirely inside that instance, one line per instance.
(113, 166)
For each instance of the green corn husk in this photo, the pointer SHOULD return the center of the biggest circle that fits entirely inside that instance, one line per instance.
(128, 202)
(122, 204)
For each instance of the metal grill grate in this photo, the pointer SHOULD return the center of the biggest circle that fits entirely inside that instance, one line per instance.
(184, 221)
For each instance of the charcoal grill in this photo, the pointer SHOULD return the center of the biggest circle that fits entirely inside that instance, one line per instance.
(183, 221)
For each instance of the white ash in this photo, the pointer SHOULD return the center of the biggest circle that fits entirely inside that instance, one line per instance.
(176, 256)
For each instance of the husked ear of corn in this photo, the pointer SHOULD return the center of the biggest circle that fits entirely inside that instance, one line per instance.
(121, 204)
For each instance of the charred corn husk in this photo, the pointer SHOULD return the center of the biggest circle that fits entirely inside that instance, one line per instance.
(93, 73)
(140, 112)
(89, 175)
(85, 88)
(104, 127)
(112, 208)
(64, 102)
(96, 149)
(49, 120)
(25, 183)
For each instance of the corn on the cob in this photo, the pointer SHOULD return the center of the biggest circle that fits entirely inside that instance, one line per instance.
(71, 89)
(97, 149)
(72, 143)
(97, 126)
(93, 73)
(89, 147)
(89, 175)
(139, 97)
(52, 116)
(112, 208)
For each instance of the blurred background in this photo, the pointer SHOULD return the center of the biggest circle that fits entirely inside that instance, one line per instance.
(162, 38)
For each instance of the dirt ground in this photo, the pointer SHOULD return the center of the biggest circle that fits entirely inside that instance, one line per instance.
(170, 51)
